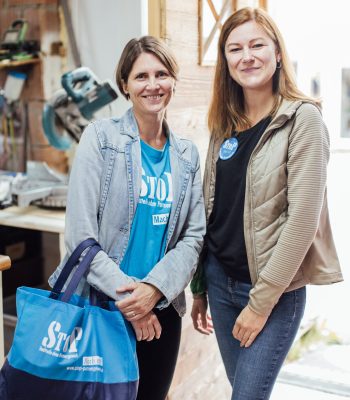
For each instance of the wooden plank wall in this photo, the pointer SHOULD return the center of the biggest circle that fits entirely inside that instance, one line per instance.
(199, 372)
(44, 25)
(187, 114)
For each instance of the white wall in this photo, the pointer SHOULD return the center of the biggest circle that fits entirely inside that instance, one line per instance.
(317, 38)
(102, 28)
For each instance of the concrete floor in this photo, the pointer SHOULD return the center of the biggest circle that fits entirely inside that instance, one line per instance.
(284, 391)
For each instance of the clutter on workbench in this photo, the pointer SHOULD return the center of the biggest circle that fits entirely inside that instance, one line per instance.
(40, 185)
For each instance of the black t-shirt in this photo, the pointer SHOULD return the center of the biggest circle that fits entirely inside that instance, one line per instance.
(225, 234)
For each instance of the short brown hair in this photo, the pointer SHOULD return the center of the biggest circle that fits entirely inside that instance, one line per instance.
(132, 50)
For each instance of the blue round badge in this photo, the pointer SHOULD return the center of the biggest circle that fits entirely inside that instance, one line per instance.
(228, 148)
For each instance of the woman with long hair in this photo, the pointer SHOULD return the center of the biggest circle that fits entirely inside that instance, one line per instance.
(268, 232)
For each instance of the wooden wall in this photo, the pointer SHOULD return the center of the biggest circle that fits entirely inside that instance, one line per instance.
(199, 372)
(42, 77)
(187, 114)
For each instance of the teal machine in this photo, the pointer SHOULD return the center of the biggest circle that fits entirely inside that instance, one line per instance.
(70, 109)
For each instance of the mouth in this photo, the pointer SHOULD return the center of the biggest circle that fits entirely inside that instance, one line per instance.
(250, 69)
(154, 97)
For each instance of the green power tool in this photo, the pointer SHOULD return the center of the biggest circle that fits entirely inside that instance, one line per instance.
(14, 46)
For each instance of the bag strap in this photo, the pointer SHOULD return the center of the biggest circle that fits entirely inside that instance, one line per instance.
(70, 264)
(99, 299)
(79, 273)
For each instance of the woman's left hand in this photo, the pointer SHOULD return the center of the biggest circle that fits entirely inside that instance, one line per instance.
(248, 326)
(140, 302)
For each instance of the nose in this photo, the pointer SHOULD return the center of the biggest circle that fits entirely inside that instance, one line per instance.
(153, 83)
(247, 55)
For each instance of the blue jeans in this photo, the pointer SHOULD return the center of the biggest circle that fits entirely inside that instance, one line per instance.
(251, 371)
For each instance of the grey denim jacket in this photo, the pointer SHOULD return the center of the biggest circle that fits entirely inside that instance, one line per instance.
(104, 188)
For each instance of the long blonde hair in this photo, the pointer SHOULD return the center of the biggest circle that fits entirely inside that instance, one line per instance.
(226, 111)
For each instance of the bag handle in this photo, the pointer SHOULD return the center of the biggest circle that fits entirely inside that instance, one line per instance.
(79, 273)
(71, 263)
(99, 299)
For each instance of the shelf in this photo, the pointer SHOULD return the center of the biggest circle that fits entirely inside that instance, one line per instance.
(13, 64)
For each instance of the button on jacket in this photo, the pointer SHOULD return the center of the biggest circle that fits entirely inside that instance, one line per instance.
(287, 232)
(104, 188)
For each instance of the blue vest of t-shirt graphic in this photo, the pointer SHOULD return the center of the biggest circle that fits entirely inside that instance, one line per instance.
(150, 225)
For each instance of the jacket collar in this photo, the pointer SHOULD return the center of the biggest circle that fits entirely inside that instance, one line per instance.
(128, 126)
(285, 112)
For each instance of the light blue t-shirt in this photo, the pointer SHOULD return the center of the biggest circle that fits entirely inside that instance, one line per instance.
(150, 225)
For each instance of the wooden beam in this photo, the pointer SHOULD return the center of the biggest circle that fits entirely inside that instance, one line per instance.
(156, 18)
(263, 4)
(5, 263)
(234, 5)
(217, 26)
(200, 32)
(212, 9)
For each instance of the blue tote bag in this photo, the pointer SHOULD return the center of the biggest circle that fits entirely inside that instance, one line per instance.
(69, 347)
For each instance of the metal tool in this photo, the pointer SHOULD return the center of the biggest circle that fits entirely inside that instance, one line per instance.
(70, 109)
(39, 186)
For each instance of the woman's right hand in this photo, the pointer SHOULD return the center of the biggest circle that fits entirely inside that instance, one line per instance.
(200, 318)
(147, 327)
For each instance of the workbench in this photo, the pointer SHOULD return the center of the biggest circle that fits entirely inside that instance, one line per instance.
(31, 217)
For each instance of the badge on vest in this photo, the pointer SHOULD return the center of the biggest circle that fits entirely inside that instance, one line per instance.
(228, 148)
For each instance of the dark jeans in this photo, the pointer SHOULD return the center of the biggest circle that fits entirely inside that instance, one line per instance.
(251, 371)
(157, 358)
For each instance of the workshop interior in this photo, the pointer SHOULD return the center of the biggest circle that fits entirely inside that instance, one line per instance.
(48, 95)
(26, 179)
(57, 68)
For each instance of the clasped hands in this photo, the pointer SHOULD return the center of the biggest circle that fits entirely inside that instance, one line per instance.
(137, 308)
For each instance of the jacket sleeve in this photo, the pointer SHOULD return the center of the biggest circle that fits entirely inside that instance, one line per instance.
(174, 271)
(198, 283)
(308, 155)
(82, 212)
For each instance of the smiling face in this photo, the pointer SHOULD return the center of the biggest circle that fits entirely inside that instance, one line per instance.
(150, 85)
(251, 57)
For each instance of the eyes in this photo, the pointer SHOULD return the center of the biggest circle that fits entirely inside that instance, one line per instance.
(158, 75)
(237, 49)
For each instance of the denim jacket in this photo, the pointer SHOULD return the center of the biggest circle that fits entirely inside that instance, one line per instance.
(104, 188)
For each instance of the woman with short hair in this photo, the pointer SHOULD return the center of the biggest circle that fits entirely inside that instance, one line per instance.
(135, 187)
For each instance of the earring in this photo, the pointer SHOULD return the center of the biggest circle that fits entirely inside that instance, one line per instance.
(278, 64)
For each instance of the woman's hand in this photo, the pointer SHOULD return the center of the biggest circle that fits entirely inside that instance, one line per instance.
(141, 301)
(248, 326)
(147, 327)
(200, 318)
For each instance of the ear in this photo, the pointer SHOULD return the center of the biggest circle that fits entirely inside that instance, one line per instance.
(278, 56)
(125, 88)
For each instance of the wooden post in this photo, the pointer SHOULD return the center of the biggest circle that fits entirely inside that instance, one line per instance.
(234, 5)
(263, 4)
(156, 18)
(5, 263)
